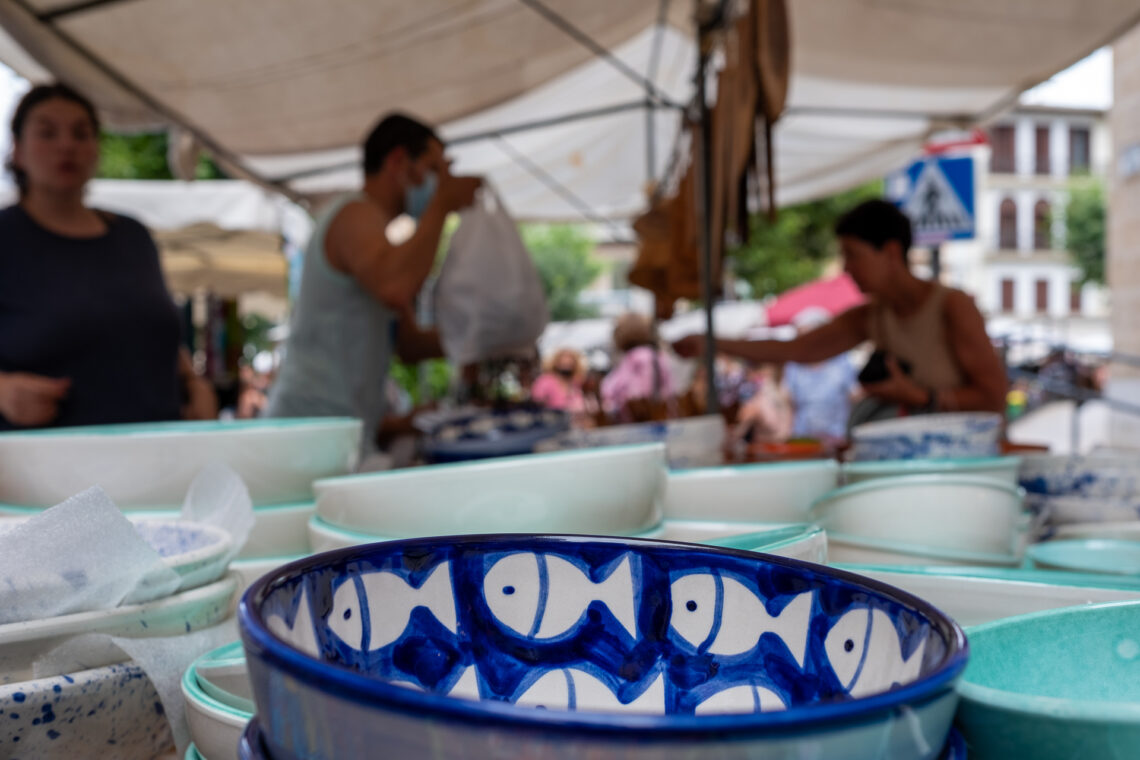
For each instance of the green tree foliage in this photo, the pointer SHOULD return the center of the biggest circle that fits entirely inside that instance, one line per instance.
(564, 257)
(1085, 229)
(794, 250)
(143, 156)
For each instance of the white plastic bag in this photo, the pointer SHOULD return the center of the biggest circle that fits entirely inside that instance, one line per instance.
(489, 298)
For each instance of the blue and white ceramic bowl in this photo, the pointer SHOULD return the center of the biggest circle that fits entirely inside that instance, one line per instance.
(929, 436)
(252, 746)
(636, 649)
(112, 711)
(151, 465)
(1115, 478)
(487, 433)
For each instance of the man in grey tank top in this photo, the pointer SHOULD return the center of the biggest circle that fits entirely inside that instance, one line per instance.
(357, 288)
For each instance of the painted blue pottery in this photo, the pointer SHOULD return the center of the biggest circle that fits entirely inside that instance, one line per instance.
(251, 746)
(1055, 685)
(493, 433)
(589, 647)
(930, 436)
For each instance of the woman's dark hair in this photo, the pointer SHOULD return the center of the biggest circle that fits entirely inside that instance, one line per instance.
(41, 94)
(395, 131)
(875, 222)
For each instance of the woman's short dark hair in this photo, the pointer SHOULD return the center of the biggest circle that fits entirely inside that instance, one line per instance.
(42, 93)
(395, 131)
(876, 222)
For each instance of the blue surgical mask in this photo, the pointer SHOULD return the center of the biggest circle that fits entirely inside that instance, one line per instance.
(417, 197)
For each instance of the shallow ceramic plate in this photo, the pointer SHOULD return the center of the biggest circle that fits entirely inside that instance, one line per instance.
(21, 643)
(1121, 531)
(1000, 468)
(610, 491)
(152, 465)
(107, 712)
(974, 595)
(779, 492)
(645, 649)
(945, 513)
(1055, 685)
(216, 715)
(1088, 555)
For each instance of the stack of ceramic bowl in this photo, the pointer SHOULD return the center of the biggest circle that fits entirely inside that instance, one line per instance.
(219, 702)
(690, 442)
(579, 647)
(610, 491)
(1004, 468)
(1095, 496)
(109, 707)
(146, 470)
(925, 520)
(930, 436)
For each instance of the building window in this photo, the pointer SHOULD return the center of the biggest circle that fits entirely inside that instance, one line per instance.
(1042, 232)
(1002, 157)
(1042, 150)
(1007, 303)
(1075, 298)
(1042, 296)
(1080, 149)
(1008, 225)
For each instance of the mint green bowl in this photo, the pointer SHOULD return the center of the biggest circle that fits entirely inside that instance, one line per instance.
(1054, 685)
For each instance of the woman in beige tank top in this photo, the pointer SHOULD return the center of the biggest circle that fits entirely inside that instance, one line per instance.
(936, 331)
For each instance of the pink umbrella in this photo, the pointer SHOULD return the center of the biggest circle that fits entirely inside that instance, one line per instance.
(835, 294)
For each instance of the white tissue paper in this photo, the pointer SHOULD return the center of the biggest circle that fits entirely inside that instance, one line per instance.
(80, 555)
(218, 496)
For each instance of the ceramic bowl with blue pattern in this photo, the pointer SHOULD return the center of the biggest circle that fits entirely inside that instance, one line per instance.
(578, 646)
(151, 465)
(1082, 489)
(931, 436)
(489, 433)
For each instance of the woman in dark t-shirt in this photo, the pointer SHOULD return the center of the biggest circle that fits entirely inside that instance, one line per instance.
(88, 331)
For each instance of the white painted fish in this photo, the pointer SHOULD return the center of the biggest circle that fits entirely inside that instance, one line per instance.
(574, 689)
(865, 653)
(301, 633)
(542, 596)
(389, 601)
(706, 605)
(742, 699)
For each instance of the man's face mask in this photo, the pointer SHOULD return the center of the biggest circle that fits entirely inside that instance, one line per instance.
(417, 197)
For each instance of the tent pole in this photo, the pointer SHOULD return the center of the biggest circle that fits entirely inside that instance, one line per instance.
(708, 17)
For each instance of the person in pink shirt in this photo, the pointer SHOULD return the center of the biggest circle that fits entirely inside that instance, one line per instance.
(643, 374)
(560, 386)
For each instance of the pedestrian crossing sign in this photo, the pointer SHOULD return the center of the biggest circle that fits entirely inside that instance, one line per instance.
(937, 194)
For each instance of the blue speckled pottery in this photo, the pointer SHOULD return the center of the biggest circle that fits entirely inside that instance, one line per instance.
(105, 712)
(930, 436)
(627, 648)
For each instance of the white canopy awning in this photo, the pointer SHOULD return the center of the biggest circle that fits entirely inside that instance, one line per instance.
(285, 86)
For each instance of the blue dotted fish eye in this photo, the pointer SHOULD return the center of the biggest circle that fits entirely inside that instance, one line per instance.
(348, 613)
(691, 606)
(848, 645)
(508, 590)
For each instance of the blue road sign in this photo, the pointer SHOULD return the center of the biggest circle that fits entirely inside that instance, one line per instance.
(938, 196)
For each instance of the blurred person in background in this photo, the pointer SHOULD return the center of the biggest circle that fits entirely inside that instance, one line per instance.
(89, 334)
(640, 388)
(560, 386)
(820, 393)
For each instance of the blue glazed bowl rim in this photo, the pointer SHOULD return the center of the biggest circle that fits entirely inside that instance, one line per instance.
(1053, 708)
(345, 683)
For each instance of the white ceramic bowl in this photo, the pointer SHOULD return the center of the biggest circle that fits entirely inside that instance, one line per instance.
(1064, 510)
(939, 512)
(929, 436)
(219, 701)
(780, 492)
(107, 712)
(689, 442)
(869, 551)
(21, 643)
(1000, 468)
(973, 595)
(152, 465)
(324, 537)
(610, 491)
(1121, 531)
